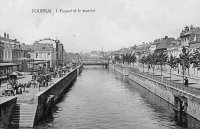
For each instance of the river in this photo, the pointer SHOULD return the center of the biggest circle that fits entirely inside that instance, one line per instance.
(103, 99)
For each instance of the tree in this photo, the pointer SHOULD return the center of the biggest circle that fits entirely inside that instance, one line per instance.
(116, 58)
(153, 61)
(161, 59)
(185, 60)
(128, 58)
(133, 58)
(123, 58)
(195, 58)
(149, 61)
(142, 61)
(172, 63)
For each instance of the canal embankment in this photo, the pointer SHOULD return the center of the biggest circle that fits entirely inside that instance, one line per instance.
(167, 90)
(27, 109)
(45, 99)
(6, 107)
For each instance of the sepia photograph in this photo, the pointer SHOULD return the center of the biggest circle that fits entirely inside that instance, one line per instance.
(99, 64)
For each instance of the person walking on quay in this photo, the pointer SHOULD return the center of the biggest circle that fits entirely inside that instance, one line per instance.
(34, 76)
(186, 82)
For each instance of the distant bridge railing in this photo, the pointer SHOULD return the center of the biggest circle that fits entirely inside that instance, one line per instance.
(95, 63)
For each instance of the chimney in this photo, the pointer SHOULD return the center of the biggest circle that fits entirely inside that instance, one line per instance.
(4, 34)
(166, 37)
(186, 28)
(7, 36)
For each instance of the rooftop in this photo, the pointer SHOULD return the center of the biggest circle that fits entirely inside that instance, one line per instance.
(38, 47)
(164, 44)
(189, 31)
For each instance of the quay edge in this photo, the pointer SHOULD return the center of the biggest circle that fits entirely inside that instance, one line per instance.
(166, 92)
(54, 92)
(41, 104)
(43, 99)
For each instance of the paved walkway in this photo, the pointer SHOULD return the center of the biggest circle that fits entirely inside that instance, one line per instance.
(193, 82)
(29, 92)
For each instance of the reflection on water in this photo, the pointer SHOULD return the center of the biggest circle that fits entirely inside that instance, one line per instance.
(103, 99)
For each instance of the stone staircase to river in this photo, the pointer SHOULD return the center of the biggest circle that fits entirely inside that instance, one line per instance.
(23, 115)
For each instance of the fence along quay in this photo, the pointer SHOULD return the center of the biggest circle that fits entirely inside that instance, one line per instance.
(184, 99)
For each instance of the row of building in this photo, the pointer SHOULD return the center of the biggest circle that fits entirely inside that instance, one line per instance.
(189, 37)
(42, 53)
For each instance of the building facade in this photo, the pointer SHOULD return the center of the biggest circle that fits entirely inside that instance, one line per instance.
(1, 50)
(163, 43)
(190, 38)
(174, 49)
(42, 52)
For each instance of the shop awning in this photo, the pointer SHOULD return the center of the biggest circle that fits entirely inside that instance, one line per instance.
(39, 62)
(8, 64)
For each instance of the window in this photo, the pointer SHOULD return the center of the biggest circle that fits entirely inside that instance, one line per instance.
(36, 55)
(40, 55)
(49, 55)
(195, 38)
(8, 54)
(5, 53)
(44, 55)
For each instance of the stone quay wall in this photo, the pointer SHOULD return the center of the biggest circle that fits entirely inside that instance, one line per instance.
(47, 98)
(120, 69)
(6, 107)
(165, 90)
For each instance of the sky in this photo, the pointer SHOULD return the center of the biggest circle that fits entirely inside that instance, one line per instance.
(114, 23)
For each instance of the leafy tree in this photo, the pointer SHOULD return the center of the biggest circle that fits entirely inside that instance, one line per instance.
(116, 58)
(195, 58)
(123, 58)
(133, 58)
(142, 61)
(161, 59)
(149, 61)
(128, 58)
(185, 60)
(153, 61)
(172, 63)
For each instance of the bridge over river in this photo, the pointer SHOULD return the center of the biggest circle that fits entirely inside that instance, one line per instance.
(94, 62)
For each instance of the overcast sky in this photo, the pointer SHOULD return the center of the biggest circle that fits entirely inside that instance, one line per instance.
(114, 24)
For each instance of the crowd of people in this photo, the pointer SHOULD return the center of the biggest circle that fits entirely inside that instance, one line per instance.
(39, 79)
(43, 79)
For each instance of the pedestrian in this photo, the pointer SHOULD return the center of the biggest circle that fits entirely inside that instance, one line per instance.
(15, 89)
(20, 88)
(186, 82)
(24, 86)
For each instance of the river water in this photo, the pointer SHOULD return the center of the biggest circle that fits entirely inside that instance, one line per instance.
(103, 99)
